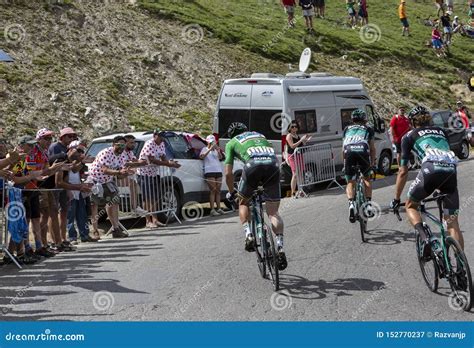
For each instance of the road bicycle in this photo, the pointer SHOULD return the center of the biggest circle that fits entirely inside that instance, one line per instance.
(361, 202)
(446, 260)
(267, 258)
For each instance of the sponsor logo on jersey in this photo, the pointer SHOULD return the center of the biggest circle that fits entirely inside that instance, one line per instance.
(430, 131)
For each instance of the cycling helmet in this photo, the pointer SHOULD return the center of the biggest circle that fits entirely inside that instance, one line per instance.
(236, 128)
(358, 115)
(417, 111)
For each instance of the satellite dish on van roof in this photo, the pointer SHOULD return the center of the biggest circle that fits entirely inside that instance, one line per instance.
(305, 59)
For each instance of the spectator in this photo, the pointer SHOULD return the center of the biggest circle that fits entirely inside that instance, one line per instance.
(439, 6)
(289, 6)
(463, 113)
(22, 176)
(446, 23)
(66, 136)
(320, 6)
(132, 161)
(212, 155)
(47, 199)
(109, 163)
(350, 7)
(437, 42)
(402, 14)
(154, 153)
(399, 126)
(471, 9)
(293, 141)
(450, 5)
(470, 83)
(456, 25)
(363, 14)
(71, 180)
(308, 14)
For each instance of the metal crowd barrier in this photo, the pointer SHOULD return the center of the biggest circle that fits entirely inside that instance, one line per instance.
(314, 165)
(142, 195)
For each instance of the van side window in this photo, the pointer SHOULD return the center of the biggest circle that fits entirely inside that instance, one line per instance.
(346, 117)
(370, 116)
(306, 120)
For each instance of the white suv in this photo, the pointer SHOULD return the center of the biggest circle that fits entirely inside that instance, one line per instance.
(189, 184)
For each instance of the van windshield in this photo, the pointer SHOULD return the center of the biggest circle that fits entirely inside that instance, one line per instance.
(266, 122)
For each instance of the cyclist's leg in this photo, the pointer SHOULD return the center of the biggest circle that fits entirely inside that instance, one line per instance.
(350, 174)
(422, 187)
(275, 218)
(451, 207)
(245, 189)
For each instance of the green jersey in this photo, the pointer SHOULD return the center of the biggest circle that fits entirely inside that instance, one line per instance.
(247, 146)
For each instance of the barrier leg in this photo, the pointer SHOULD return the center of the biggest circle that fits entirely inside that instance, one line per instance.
(334, 181)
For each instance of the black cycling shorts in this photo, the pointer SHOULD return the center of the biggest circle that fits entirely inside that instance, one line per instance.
(437, 176)
(264, 172)
(354, 158)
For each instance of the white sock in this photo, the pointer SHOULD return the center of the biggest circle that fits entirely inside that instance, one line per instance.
(279, 240)
(246, 229)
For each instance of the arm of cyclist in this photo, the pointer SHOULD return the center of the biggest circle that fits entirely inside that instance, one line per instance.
(403, 170)
(229, 168)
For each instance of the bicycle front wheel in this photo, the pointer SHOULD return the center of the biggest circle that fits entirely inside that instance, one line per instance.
(272, 259)
(459, 278)
(360, 199)
(429, 268)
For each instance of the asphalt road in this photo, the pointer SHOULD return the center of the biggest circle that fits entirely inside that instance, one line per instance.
(200, 271)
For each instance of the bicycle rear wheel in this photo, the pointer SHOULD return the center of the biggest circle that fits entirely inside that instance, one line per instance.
(429, 268)
(360, 199)
(272, 259)
(460, 279)
(259, 250)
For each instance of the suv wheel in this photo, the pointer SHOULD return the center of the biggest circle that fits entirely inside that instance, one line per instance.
(464, 150)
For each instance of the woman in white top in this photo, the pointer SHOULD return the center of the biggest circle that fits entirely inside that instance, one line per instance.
(211, 155)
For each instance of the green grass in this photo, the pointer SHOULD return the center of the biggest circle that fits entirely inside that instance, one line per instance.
(260, 26)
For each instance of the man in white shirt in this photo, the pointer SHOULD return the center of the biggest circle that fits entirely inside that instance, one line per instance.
(154, 153)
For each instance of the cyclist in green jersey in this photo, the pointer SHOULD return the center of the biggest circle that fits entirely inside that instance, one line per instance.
(437, 172)
(358, 149)
(261, 168)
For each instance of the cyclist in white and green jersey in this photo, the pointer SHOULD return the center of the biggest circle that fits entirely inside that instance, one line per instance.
(261, 168)
(437, 172)
(358, 149)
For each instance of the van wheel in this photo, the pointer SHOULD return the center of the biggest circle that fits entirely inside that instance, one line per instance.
(464, 150)
(385, 163)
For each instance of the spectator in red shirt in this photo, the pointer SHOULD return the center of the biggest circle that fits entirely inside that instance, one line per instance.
(289, 6)
(399, 126)
(463, 112)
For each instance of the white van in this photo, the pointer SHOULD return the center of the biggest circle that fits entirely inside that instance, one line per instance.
(321, 104)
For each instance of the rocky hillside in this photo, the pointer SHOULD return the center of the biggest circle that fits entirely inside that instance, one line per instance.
(112, 66)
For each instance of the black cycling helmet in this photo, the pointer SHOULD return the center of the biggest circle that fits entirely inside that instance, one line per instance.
(236, 128)
(358, 115)
(417, 111)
